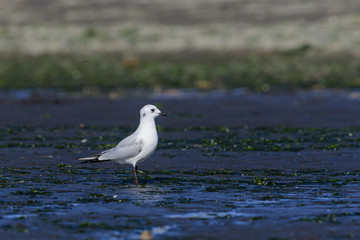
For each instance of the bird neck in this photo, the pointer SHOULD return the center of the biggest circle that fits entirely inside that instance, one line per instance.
(147, 124)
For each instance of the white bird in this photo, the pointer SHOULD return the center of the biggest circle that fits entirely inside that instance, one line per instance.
(135, 148)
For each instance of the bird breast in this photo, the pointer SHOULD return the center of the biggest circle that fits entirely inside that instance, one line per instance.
(150, 143)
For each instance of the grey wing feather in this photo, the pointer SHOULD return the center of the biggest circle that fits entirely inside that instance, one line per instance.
(127, 141)
(105, 151)
(122, 153)
(125, 149)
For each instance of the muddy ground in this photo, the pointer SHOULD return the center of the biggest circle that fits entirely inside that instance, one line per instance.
(229, 165)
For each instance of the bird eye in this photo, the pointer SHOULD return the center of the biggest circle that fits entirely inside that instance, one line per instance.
(152, 110)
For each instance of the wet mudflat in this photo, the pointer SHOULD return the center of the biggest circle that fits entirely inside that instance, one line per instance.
(87, 203)
(250, 166)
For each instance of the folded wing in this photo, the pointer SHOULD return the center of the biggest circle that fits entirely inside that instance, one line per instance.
(121, 153)
(126, 149)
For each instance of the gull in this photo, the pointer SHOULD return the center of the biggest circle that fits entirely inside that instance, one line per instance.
(135, 148)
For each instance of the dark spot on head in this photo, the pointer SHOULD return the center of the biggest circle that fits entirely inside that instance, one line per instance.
(152, 110)
(144, 114)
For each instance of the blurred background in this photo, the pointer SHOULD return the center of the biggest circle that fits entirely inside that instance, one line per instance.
(93, 46)
(262, 137)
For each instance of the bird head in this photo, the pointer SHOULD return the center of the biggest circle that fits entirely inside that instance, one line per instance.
(150, 111)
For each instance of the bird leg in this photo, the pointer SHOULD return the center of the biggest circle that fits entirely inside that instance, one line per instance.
(135, 180)
(138, 171)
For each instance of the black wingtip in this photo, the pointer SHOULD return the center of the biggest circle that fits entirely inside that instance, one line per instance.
(93, 161)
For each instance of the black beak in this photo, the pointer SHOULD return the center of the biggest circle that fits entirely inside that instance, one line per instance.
(163, 114)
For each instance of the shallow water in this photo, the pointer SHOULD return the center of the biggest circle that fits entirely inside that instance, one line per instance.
(222, 170)
(82, 203)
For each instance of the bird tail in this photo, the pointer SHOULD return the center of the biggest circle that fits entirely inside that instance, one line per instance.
(91, 159)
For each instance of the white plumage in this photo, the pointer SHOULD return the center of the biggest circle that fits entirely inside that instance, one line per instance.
(135, 148)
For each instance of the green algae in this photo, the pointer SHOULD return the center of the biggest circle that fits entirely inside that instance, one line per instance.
(33, 192)
(211, 141)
